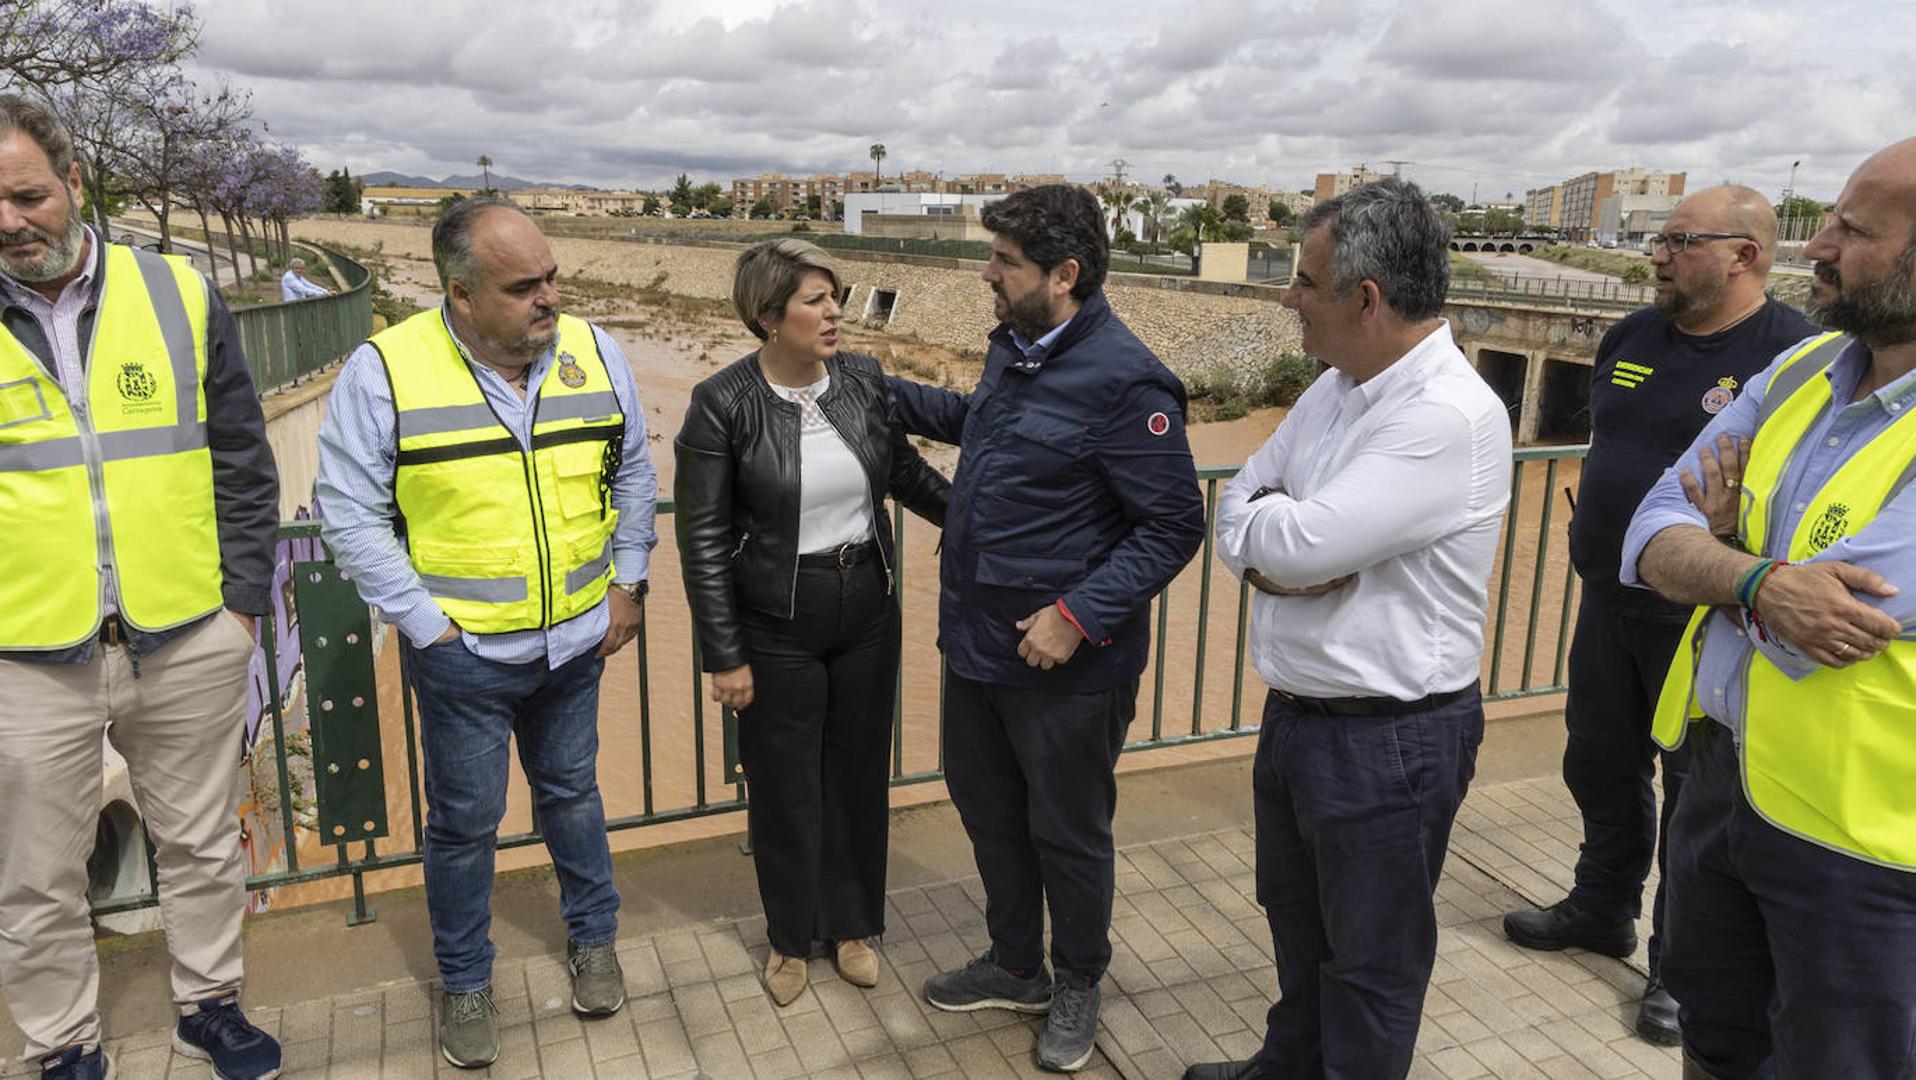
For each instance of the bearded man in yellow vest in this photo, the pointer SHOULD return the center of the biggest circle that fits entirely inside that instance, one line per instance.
(1792, 852)
(141, 503)
(484, 479)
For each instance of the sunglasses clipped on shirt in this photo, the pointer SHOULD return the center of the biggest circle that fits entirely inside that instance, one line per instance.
(1679, 241)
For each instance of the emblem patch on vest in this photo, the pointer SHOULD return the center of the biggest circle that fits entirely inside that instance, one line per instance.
(1718, 397)
(137, 387)
(570, 373)
(1158, 424)
(1829, 528)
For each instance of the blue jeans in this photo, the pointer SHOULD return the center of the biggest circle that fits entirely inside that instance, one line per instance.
(468, 709)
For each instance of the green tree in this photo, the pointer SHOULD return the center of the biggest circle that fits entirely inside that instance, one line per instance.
(448, 199)
(340, 195)
(1116, 202)
(1799, 217)
(761, 210)
(1280, 212)
(1237, 208)
(705, 195)
(650, 205)
(1156, 207)
(1203, 222)
(1444, 200)
(682, 195)
(1502, 222)
(485, 166)
(877, 154)
(813, 206)
(1171, 185)
(1636, 273)
(1184, 239)
(720, 207)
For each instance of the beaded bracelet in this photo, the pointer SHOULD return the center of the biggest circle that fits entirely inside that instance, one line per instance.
(1751, 581)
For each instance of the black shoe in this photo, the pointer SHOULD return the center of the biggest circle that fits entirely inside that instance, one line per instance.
(77, 1063)
(1564, 925)
(982, 984)
(1227, 1070)
(1071, 1029)
(1657, 1016)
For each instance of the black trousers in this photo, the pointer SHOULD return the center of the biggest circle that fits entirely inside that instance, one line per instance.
(1353, 822)
(816, 746)
(1791, 961)
(1033, 776)
(1617, 665)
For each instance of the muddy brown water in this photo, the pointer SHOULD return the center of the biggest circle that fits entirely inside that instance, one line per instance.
(655, 746)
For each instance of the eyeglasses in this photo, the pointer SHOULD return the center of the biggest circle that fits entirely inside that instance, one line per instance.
(1680, 241)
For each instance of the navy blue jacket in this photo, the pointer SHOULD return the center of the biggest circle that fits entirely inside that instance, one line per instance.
(1075, 483)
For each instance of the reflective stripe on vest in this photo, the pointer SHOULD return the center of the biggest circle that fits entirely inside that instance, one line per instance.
(504, 539)
(127, 481)
(1830, 757)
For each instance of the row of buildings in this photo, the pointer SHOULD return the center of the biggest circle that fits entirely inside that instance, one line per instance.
(1622, 206)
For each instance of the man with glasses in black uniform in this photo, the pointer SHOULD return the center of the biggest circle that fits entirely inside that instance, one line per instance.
(1661, 373)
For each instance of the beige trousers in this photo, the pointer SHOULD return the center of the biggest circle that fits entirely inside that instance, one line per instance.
(179, 725)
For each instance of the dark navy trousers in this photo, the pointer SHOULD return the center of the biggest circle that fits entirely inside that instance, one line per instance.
(1791, 961)
(1617, 665)
(1033, 774)
(1353, 822)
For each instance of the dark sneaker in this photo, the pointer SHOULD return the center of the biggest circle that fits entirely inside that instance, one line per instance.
(77, 1063)
(1564, 925)
(982, 984)
(1071, 1029)
(1657, 1015)
(468, 1032)
(216, 1031)
(1228, 1070)
(598, 982)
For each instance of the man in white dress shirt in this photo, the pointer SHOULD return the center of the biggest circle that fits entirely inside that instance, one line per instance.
(1367, 524)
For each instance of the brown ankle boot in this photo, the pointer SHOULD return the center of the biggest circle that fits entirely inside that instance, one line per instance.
(858, 962)
(784, 977)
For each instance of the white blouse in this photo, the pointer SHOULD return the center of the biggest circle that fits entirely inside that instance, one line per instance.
(834, 502)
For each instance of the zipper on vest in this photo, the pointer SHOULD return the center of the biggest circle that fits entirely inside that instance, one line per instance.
(539, 536)
(95, 472)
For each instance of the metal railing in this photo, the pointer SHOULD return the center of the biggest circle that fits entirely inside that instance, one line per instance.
(1527, 633)
(287, 341)
(1551, 290)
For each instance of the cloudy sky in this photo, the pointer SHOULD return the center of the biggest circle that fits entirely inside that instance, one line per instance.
(1499, 95)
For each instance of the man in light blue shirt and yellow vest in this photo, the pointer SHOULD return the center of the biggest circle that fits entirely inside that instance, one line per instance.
(484, 479)
(1792, 852)
(140, 502)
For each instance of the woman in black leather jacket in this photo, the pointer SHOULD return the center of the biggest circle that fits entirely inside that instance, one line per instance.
(784, 462)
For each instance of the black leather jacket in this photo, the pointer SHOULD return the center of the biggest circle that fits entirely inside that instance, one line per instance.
(736, 492)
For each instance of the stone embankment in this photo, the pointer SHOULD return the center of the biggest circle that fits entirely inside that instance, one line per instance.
(1202, 330)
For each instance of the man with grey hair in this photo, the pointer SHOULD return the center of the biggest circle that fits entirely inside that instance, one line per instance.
(1367, 525)
(484, 478)
(141, 506)
(294, 284)
(1661, 373)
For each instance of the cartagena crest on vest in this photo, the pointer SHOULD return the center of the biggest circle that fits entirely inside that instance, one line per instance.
(570, 373)
(1718, 397)
(1832, 526)
(137, 387)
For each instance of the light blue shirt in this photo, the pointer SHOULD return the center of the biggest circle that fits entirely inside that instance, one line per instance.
(358, 448)
(1040, 349)
(294, 287)
(1884, 545)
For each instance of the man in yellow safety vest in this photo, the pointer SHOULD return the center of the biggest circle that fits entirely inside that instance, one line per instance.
(140, 503)
(484, 479)
(1792, 852)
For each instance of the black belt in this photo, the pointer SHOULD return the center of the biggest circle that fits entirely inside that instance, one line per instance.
(1372, 706)
(842, 557)
(111, 632)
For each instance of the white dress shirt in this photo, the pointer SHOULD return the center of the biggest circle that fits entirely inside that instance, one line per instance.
(1402, 480)
(834, 496)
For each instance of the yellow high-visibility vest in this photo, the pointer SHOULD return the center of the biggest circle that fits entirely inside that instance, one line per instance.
(126, 480)
(503, 538)
(1830, 757)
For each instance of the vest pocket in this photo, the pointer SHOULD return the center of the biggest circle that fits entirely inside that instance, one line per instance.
(489, 575)
(22, 402)
(1033, 572)
(579, 467)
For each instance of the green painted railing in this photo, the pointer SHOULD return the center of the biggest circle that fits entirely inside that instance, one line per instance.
(1533, 591)
(286, 342)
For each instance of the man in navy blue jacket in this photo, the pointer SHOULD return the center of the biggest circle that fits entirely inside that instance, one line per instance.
(1075, 502)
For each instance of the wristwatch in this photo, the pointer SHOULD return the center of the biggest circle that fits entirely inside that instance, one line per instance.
(634, 589)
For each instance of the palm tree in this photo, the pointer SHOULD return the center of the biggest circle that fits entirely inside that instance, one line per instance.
(485, 164)
(877, 153)
(1155, 207)
(1117, 202)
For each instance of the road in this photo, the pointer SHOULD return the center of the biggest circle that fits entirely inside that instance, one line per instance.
(1511, 266)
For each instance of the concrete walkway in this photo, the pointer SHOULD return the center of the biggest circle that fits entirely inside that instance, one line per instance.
(1190, 980)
